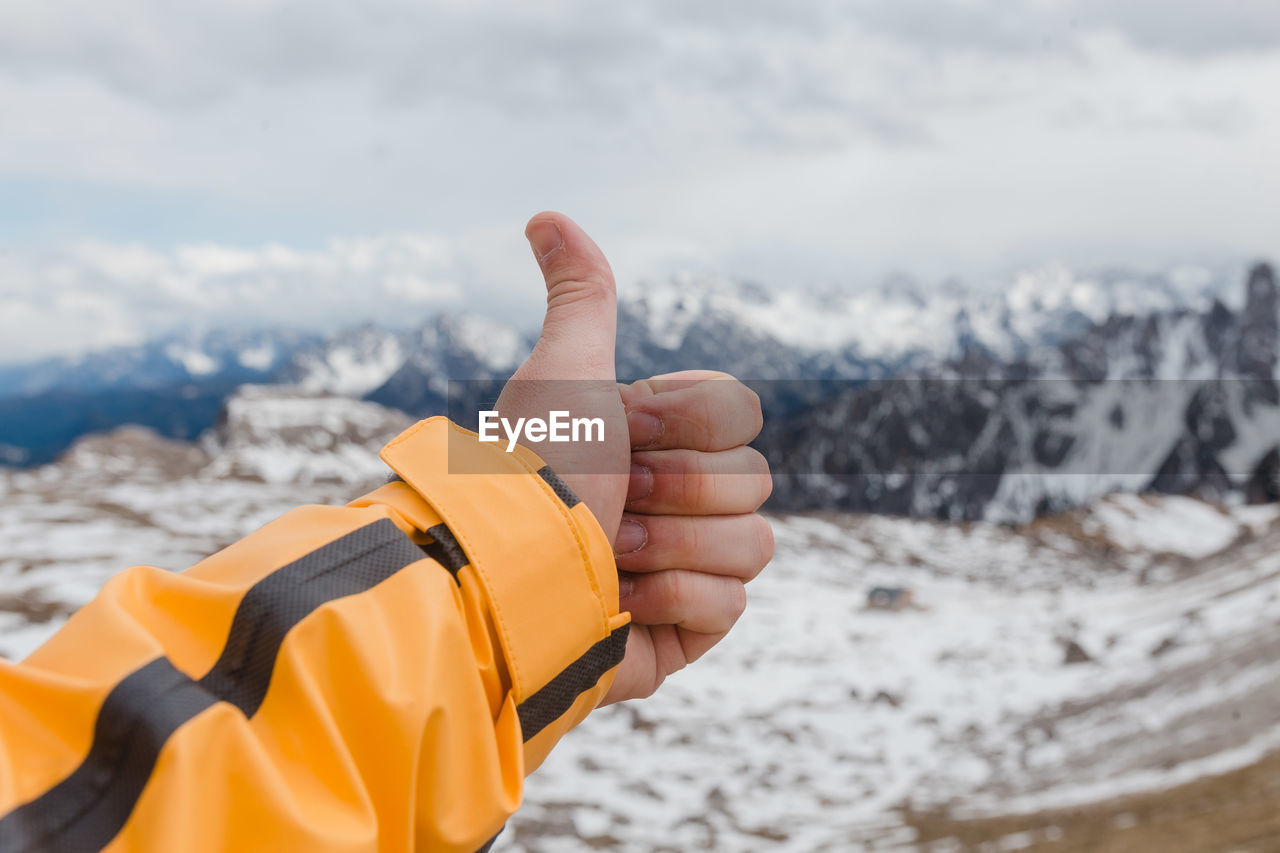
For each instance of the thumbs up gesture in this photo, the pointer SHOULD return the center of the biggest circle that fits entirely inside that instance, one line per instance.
(672, 484)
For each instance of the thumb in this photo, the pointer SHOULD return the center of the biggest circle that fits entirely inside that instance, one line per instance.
(576, 343)
(580, 327)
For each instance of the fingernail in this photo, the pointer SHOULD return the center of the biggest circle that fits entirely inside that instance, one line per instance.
(544, 238)
(626, 584)
(631, 537)
(645, 429)
(640, 484)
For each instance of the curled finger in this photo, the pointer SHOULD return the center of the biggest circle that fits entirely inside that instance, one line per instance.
(734, 545)
(696, 601)
(705, 414)
(690, 482)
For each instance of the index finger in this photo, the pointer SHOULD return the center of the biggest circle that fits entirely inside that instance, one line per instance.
(692, 410)
(681, 379)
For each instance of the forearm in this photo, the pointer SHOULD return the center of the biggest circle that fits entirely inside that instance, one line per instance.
(358, 678)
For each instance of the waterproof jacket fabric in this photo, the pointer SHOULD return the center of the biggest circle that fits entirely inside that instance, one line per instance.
(375, 677)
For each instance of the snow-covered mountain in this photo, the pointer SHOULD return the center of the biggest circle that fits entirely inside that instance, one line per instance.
(996, 401)
(352, 362)
(810, 334)
(450, 348)
(755, 330)
(1178, 401)
(175, 385)
(221, 354)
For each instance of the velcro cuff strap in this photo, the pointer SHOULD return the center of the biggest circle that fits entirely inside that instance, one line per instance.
(543, 559)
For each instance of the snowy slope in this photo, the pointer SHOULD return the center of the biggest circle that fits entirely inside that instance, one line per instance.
(351, 363)
(817, 719)
(284, 436)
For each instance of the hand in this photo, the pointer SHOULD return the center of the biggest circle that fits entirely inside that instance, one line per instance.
(690, 537)
(694, 485)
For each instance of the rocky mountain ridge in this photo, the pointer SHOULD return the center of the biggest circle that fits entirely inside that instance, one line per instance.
(748, 327)
(1178, 401)
(962, 403)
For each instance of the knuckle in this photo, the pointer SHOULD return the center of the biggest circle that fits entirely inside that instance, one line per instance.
(589, 287)
(697, 485)
(766, 487)
(758, 466)
(638, 390)
(671, 588)
(686, 539)
(736, 599)
(750, 401)
(764, 543)
(704, 424)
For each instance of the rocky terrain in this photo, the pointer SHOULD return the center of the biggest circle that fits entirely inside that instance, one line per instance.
(1178, 401)
(1099, 675)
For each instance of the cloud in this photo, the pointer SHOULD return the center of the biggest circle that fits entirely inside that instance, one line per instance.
(560, 59)
(1187, 28)
(575, 56)
(94, 295)
(834, 140)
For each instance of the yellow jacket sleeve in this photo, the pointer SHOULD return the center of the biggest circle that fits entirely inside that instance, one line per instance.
(374, 677)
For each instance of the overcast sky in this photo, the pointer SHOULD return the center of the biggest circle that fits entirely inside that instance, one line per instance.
(311, 162)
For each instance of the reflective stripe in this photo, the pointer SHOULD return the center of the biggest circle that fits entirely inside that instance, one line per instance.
(445, 550)
(488, 845)
(88, 808)
(558, 695)
(560, 487)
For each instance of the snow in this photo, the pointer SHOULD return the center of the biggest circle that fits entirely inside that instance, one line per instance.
(195, 362)
(353, 364)
(897, 321)
(1173, 525)
(816, 719)
(1258, 432)
(259, 357)
(1107, 455)
(349, 372)
(498, 347)
(287, 436)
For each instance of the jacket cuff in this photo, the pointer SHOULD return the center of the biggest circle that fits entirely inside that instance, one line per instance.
(546, 565)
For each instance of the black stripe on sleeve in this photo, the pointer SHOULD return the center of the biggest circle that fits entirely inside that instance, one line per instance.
(558, 695)
(562, 490)
(488, 845)
(88, 808)
(357, 562)
(445, 550)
